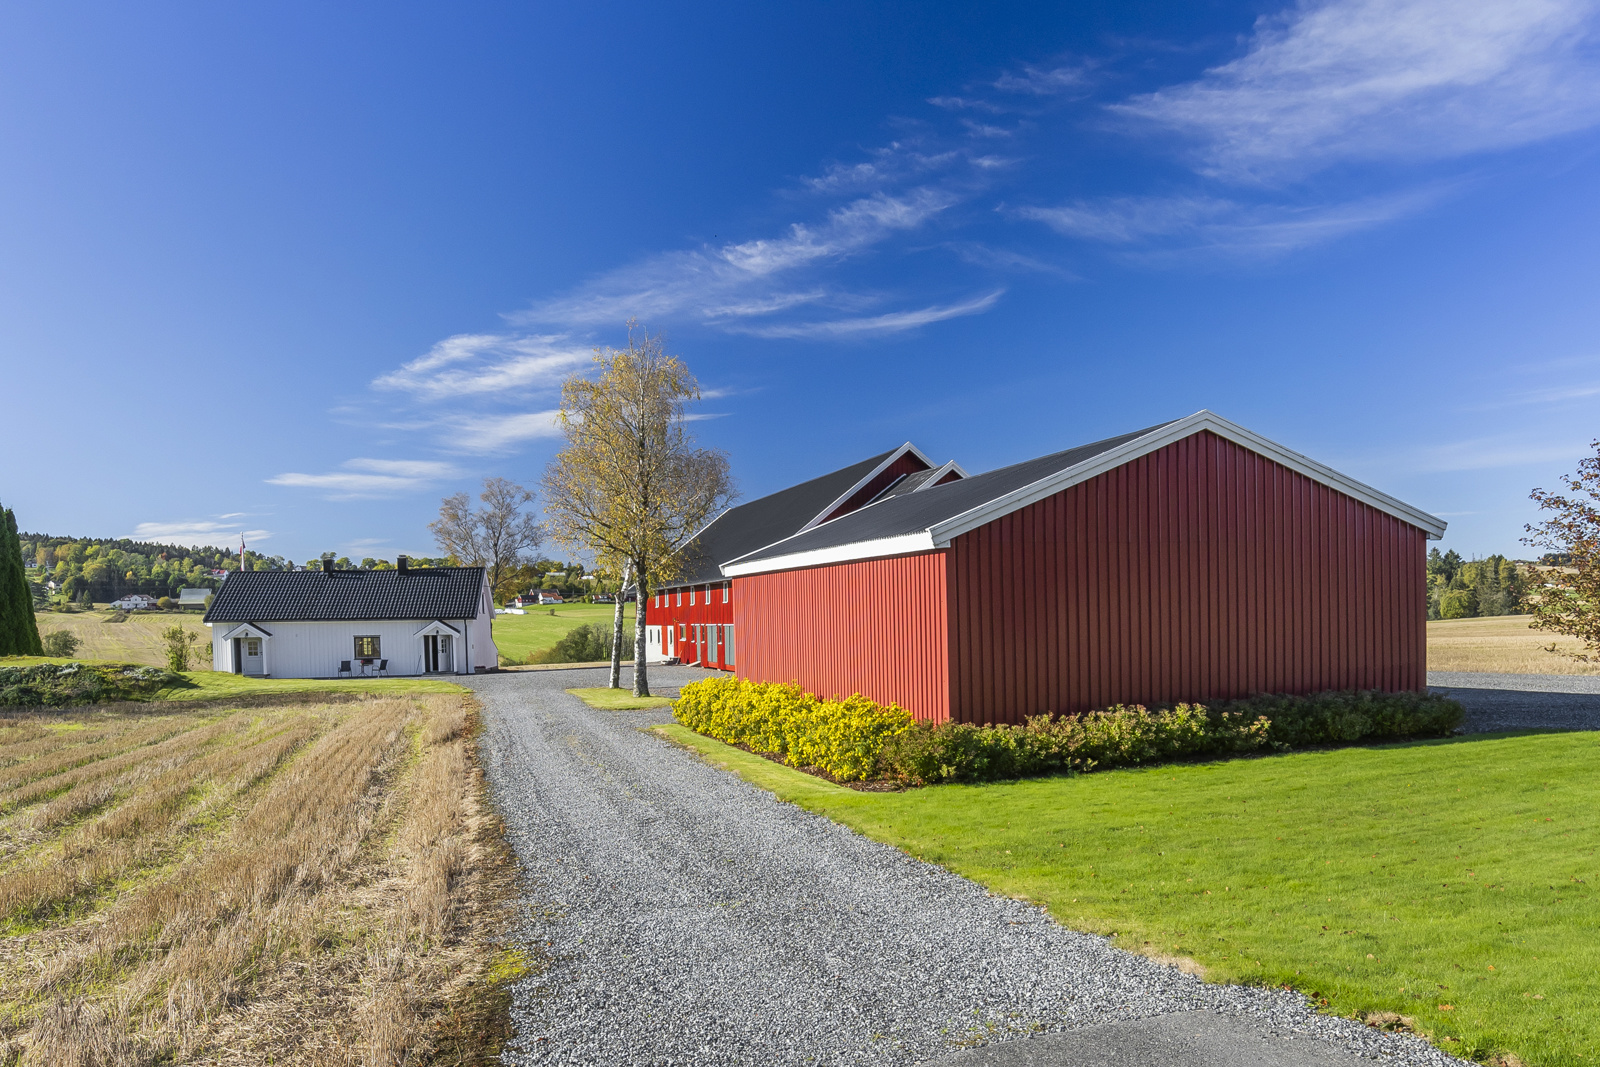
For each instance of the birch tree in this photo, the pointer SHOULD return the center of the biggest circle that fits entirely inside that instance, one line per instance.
(630, 485)
(495, 537)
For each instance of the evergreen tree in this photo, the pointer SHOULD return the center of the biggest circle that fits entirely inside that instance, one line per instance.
(19, 633)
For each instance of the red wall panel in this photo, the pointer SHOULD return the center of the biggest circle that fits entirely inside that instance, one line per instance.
(902, 466)
(875, 627)
(702, 605)
(1201, 571)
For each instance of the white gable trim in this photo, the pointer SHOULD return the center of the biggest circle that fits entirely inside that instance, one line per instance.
(940, 473)
(860, 483)
(438, 629)
(941, 534)
(246, 629)
(903, 545)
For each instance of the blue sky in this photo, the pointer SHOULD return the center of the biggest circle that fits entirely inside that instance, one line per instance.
(300, 270)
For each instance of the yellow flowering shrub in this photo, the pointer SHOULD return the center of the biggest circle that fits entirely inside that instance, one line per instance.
(843, 738)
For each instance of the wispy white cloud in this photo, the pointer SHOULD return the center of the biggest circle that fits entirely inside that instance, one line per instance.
(1202, 222)
(1556, 394)
(1390, 80)
(486, 434)
(473, 364)
(209, 534)
(1487, 453)
(891, 322)
(361, 478)
(738, 281)
(1045, 81)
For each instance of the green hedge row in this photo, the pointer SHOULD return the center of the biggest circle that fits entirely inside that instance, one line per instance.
(56, 685)
(855, 739)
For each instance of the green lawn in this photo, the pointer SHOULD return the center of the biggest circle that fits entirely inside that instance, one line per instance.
(608, 699)
(518, 635)
(1449, 881)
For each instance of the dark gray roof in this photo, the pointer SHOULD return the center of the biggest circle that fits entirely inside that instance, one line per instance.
(296, 596)
(771, 518)
(894, 515)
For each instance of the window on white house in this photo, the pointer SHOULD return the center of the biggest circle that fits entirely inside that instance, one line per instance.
(367, 648)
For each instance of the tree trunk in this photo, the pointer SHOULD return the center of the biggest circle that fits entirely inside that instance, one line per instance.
(616, 631)
(641, 680)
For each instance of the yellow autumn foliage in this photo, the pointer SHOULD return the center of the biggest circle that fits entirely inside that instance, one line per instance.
(841, 737)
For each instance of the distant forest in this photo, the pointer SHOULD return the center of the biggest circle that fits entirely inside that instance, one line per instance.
(1468, 589)
(105, 568)
(109, 568)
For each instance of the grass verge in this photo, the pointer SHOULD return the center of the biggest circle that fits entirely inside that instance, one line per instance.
(1449, 882)
(607, 699)
(315, 884)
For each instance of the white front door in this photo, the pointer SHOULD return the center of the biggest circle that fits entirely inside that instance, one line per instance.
(437, 656)
(250, 655)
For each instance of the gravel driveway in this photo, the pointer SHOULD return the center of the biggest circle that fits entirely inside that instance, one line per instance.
(1522, 701)
(690, 918)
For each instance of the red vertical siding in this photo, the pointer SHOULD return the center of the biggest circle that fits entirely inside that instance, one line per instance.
(708, 609)
(875, 627)
(1201, 571)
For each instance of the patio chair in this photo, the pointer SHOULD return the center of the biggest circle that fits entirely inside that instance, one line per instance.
(383, 668)
(344, 668)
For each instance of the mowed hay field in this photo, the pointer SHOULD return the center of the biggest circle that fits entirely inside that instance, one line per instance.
(305, 882)
(136, 639)
(518, 636)
(1502, 644)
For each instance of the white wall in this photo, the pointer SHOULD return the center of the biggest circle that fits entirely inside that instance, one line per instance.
(315, 649)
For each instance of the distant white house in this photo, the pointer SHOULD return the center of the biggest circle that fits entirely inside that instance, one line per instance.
(547, 596)
(135, 602)
(544, 596)
(320, 624)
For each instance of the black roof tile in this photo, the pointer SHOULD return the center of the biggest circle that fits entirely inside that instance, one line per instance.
(771, 518)
(895, 515)
(332, 596)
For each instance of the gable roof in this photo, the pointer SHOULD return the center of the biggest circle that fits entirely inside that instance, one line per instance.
(930, 519)
(333, 596)
(776, 516)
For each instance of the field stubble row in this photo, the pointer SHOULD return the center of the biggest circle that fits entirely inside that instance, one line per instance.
(321, 883)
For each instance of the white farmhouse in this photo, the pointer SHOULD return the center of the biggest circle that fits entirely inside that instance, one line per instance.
(320, 624)
(135, 602)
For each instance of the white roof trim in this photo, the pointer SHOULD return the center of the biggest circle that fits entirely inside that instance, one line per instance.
(940, 535)
(903, 545)
(940, 472)
(246, 628)
(946, 531)
(436, 625)
(863, 480)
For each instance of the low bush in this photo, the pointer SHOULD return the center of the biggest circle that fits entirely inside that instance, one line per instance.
(60, 643)
(843, 738)
(1340, 717)
(854, 739)
(585, 644)
(55, 685)
(1119, 736)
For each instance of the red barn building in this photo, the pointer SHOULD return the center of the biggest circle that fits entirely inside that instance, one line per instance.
(1193, 560)
(691, 619)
